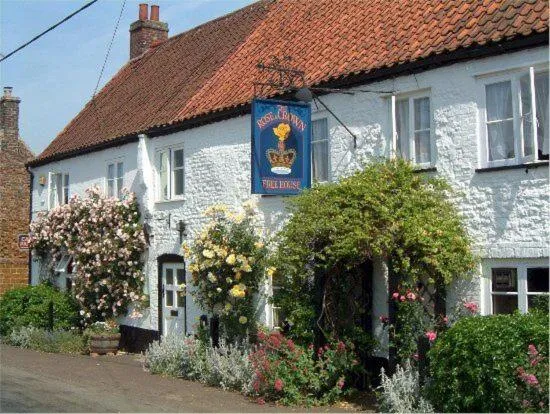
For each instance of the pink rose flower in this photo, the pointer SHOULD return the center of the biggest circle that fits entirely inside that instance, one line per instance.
(431, 335)
(278, 385)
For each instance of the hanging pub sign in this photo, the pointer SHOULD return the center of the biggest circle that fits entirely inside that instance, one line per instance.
(281, 139)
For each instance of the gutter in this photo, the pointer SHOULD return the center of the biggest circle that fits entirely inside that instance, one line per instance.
(348, 81)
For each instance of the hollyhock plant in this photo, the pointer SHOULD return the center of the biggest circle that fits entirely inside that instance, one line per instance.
(228, 263)
(106, 241)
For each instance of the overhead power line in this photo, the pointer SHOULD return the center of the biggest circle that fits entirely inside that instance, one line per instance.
(109, 48)
(48, 30)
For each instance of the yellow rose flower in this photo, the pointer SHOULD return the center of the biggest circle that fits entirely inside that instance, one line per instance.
(246, 268)
(243, 320)
(258, 245)
(228, 307)
(208, 253)
(231, 259)
(238, 276)
(271, 271)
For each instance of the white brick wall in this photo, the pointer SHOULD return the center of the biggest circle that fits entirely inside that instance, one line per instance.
(506, 211)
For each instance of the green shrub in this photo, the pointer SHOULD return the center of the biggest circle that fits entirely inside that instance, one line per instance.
(29, 305)
(475, 364)
(39, 339)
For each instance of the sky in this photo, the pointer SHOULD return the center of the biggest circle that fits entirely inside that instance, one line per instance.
(56, 75)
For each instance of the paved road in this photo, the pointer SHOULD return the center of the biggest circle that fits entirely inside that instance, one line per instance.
(32, 381)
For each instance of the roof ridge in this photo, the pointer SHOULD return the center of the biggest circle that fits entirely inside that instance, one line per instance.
(212, 79)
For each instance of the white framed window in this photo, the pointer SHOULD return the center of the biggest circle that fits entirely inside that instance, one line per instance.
(115, 178)
(514, 118)
(319, 150)
(276, 311)
(411, 120)
(514, 285)
(58, 189)
(170, 173)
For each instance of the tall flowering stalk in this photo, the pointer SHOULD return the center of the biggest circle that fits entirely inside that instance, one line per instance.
(227, 262)
(106, 241)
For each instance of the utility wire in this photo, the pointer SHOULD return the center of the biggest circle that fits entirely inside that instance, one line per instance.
(48, 30)
(109, 48)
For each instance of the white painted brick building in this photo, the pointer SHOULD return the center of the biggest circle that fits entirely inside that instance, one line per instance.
(505, 203)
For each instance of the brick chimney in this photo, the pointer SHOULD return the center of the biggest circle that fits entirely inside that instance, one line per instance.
(147, 31)
(9, 118)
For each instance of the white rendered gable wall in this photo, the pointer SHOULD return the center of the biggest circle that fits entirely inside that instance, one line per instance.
(506, 211)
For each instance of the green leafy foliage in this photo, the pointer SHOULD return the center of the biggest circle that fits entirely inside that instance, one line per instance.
(386, 211)
(29, 306)
(474, 365)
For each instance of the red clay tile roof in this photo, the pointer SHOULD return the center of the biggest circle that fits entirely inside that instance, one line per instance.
(211, 68)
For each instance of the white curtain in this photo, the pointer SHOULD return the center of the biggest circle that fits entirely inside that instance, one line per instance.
(402, 126)
(541, 99)
(319, 150)
(500, 125)
(422, 130)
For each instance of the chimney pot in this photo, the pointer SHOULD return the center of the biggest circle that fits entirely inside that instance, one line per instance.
(143, 12)
(155, 13)
(7, 91)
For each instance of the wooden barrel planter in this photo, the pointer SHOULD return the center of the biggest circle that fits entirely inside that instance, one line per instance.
(104, 343)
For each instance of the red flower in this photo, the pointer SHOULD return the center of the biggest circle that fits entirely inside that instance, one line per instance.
(340, 384)
(341, 346)
(260, 401)
(431, 335)
(278, 385)
(395, 295)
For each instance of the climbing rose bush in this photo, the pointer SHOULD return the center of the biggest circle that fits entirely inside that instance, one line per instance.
(227, 262)
(106, 240)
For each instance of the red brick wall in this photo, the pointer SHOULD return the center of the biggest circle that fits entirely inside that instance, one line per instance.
(14, 197)
(143, 34)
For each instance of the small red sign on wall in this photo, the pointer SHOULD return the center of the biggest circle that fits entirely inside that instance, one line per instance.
(23, 241)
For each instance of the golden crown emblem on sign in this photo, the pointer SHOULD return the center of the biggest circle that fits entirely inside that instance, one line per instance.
(281, 159)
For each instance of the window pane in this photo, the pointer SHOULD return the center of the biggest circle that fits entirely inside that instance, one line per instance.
(505, 279)
(169, 297)
(526, 115)
(504, 304)
(537, 279)
(65, 188)
(178, 182)
(402, 126)
(163, 172)
(178, 158)
(538, 302)
(59, 187)
(119, 185)
(319, 161)
(169, 276)
(120, 170)
(110, 171)
(110, 188)
(181, 300)
(422, 146)
(181, 276)
(541, 102)
(422, 113)
(501, 140)
(499, 101)
(319, 130)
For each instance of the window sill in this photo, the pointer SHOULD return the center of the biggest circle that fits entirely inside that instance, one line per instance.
(174, 200)
(525, 167)
(425, 169)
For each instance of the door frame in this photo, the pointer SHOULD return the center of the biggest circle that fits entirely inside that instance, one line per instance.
(161, 260)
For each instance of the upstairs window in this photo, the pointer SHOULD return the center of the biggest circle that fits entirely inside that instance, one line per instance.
(411, 124)
(170, 173)
(58, 189)
(516, 124)
(319, 151)
(115, 178)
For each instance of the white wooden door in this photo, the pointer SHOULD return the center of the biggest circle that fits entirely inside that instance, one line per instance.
(173, 299)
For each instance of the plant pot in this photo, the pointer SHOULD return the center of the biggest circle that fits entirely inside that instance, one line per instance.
(104, 343)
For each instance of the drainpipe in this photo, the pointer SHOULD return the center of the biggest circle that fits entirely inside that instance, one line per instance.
(31, 186)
